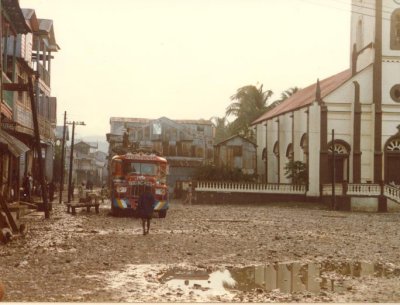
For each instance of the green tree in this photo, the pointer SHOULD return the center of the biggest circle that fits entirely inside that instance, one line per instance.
(248, 103)
(297, 171)
(222, 173)
(285, 95)
(222, 130)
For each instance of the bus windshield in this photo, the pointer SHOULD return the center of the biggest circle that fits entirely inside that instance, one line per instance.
(136, 168)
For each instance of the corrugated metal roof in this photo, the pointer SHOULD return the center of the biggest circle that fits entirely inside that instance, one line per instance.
(235, 136)
(46, 26)
(306, 96)
(90, 144)
(143, 120)
(15, 146)
(129, 120)
(195, 122)
(17, 18)
(30, 14)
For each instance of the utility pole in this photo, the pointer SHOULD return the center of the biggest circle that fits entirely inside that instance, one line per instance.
(71, 158)
(34, 103)
(333, 171)
(62, 157)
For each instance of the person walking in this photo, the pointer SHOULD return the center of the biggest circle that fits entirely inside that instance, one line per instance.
(28, 187)
(188, 199)
(146, 208)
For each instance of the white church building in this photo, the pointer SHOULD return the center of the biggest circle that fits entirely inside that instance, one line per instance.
(361, 106)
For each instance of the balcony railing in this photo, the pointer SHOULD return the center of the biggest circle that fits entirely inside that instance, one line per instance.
(43, 74)
(45, 128)
(235, 187)
(8, 96)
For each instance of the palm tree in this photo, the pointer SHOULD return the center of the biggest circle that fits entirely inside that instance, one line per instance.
(221, 126)
(249, 102)
(286, 94)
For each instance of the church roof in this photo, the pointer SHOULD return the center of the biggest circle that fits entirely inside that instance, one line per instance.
(306, 96)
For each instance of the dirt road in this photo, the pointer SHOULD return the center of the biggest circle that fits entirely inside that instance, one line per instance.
(273, 253)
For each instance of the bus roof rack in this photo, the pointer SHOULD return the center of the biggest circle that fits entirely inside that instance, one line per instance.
(120, 150)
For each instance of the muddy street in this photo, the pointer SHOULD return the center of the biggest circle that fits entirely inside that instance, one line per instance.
(273, 253)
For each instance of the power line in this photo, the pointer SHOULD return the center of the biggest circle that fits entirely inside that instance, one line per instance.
(348, 10)
(372, 7)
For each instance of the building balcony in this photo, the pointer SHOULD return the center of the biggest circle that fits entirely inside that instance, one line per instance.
(8, 96)
(43, 74)
(45, 129)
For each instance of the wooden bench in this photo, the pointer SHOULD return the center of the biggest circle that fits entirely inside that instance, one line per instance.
(91, 200)
(73, 205)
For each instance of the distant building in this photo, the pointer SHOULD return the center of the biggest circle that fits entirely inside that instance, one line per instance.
(59, 133)
(237, 152)
(89, 164)
(186, 144)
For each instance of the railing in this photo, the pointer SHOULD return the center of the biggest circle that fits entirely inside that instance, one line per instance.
(353, 189)
(45, 128)
(363, 189)
(235, 187)
(392, 192)
(8, 96)
(43, 74)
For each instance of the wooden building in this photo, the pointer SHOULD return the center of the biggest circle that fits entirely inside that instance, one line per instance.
(12, 24)
(236, 152)
(27, 55)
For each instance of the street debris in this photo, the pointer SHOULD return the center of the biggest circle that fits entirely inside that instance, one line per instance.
(289, 254)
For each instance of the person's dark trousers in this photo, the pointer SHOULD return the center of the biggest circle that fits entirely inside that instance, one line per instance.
(144, 222)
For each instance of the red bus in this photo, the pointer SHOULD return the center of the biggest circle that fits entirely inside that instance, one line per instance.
(130, 173)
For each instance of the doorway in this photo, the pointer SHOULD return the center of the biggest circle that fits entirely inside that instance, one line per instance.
(342, 150)
(392, 161)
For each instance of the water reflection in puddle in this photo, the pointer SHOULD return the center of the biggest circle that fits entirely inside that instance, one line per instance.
(199, 281)
(290, 277)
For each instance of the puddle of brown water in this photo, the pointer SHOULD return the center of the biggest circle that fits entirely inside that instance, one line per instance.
(287, 277)
(201, 281)
(177, 283)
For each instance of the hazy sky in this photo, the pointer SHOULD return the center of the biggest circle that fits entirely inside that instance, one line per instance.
(183, 59)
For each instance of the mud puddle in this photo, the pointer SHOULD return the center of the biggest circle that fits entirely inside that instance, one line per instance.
(190, 283)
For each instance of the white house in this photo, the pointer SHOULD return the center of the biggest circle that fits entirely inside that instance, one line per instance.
(361, 106)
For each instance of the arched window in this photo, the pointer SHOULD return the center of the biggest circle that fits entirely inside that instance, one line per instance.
(360, 34)
(303, 142)
(392, 159)
(340, 148)
(304, 146)
(276, 149)
(393, 145)
(264, 154)
(289, 152)
(395, 30)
